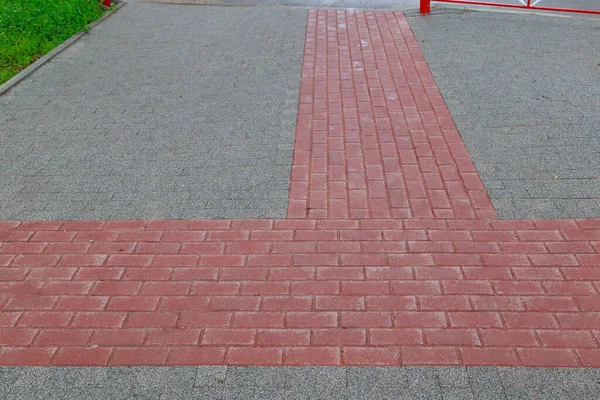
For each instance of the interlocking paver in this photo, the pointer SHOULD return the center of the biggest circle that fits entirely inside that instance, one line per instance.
(162, 112)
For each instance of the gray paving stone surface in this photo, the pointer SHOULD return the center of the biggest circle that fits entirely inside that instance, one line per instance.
(524, 91)
(221, 382)
(162, 111)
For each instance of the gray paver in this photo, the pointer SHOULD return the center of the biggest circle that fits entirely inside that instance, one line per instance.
(524, 92)
(162, 111)
(223, 382)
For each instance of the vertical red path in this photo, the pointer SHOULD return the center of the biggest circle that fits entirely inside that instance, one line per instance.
(375, 138)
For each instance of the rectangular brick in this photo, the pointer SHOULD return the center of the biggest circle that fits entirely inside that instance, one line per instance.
(312, 356)
(466, 287)
(340, 273)
(315, 287)
(457, 259)
(260, 319)
(395, 337)
(389, 273)
(138, 236)
(133, 303)
(582, 320)
(407, 260)
(364, 319)
(152, 320)
(197, 356)
(294, 247)
(222, 260)
(17, 336)
(370, 356)
(537, 273)
(566, 338)
(255, 356)
(157, 248)
(131, 356)
(26, 302)
(311, 319)
(315, 260)
(223, 336)
(202, 248)
(118, 337)
(78, 356)
(505, 260)
(550, 303)
(269, 260)
(420, 355)
(336, 303)
(66, 288)
(571, 288)
(183, 236)
(497, 303)
(63, 337)
(82, 303)
(118, 288)
(475, 319)
(35, 261)
(454, 336)
(533, 320)
(518, 287)
(26, 356)
(448, 303)
(548, 357)
(129, 260)
(104, 319)
(283, 337)
(227, 236)
(265, 288)
(251, 247)
(82, 260)
(45, 319)
(243, 274)
(210, 288)
(173, 337)
(362, 288)
(476, 356)
(554, 260)
(22, 248)
(234, 303)
(287, 303)
(392, 303)
(487, 273)
(523, 248)
(338, 247)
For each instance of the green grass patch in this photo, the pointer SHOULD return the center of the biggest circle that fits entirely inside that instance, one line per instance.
(31, 28)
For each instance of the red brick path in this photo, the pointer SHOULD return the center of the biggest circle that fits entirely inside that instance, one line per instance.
(423, 273)
(374, 136)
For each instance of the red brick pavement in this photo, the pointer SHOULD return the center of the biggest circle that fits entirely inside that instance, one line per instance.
(391, 255)
(374, 136)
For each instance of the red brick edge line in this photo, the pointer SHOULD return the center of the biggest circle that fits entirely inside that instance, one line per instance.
(301, 292)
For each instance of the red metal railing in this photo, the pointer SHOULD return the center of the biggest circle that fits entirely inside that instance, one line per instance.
(426, 6)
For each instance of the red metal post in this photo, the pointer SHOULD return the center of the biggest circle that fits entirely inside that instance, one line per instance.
(425, 6)
(528, 3)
